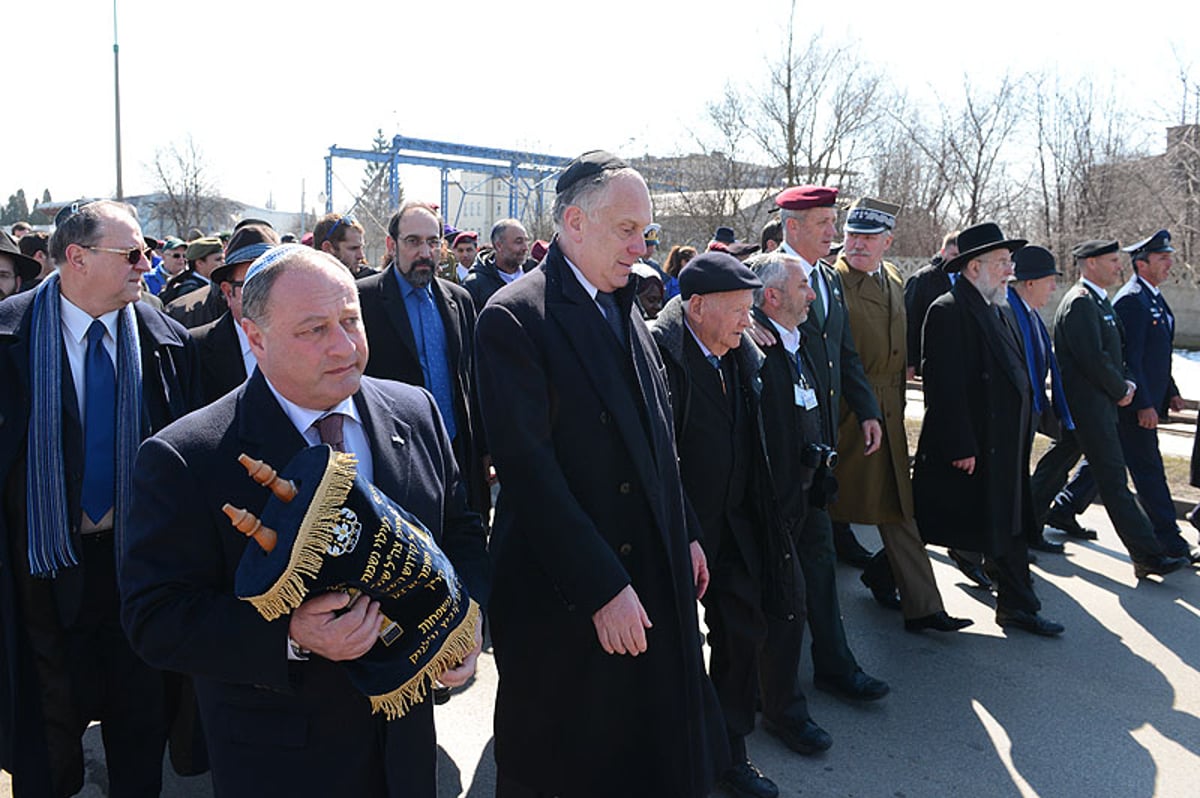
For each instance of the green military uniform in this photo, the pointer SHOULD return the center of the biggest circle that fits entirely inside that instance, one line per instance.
(1089, 340)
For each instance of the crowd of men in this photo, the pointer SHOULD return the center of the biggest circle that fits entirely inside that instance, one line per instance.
(659, 437)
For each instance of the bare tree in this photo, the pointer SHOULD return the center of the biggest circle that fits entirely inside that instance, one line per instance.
(818, 114)
(189, 198)
(715, 185)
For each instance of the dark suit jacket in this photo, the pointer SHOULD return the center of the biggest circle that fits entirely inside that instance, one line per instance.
(274, 727)
(839, 370)
(925, 285)
(394, 357)
(978, 403)
(581, 436)
(1149, 339)
(170, 388)
(1089, 343)
(220, 351)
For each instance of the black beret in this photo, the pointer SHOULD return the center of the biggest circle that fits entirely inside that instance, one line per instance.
(714, 272)
(589, 164)
(1094, 248)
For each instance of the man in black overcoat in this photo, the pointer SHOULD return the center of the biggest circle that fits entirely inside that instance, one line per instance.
(716, 395)
(64, 660)
(597, 567)
(925, 285)
(971, 479)
(226, 359)
(389, 300)
(279, 713)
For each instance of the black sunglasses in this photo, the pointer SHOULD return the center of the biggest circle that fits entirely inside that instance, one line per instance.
(132, 256)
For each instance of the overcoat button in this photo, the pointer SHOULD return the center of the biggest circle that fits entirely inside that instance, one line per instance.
(625, 487)
(625, 549)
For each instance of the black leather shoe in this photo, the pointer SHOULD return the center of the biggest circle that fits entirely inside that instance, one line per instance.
(857, 686)
(971, 570)
(1064, 521)
(805, 738)
(746, 781)
(939, 622)
(888, 599)
(1049, 546)
(1193, 517)
(1029, 621)
(849, 550)
(1159, 565)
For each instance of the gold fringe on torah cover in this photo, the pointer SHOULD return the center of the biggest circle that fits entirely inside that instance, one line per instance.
(337, 532)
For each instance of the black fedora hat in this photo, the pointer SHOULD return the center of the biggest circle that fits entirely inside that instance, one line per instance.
(981, 238)
(27, 268)
(1033, 263)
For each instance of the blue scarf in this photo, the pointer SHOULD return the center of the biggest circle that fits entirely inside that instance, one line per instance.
(50, 548)
(1037, 368)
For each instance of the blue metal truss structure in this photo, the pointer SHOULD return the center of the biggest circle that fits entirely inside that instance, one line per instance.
(525, 172)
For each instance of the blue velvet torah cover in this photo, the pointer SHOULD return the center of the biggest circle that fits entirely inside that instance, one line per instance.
(341, 533)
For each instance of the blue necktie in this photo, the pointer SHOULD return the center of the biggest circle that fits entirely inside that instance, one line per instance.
(433, 359)
(99, 426)
(612, 314)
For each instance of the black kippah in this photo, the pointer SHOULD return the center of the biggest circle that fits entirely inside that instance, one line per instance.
(589, 164)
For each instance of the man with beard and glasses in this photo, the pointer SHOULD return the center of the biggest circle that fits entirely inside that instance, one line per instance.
(971, 480)
(422, 330)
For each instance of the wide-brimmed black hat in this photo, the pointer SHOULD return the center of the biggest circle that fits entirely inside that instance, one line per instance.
(1033, 263)
(979, 239)
(27, 267)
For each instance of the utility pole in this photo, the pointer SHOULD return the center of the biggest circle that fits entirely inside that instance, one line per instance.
(117, 99)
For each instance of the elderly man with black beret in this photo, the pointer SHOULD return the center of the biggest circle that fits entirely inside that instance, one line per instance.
(971, 479)
(1089, 340)
(716, 393)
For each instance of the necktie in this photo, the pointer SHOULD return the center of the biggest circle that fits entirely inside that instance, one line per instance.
(100, 426)
(818, 304)
(329, 427)
(716, 363)
(612, 315)
(434, 359)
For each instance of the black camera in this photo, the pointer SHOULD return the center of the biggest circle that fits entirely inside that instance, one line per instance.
(818, 455)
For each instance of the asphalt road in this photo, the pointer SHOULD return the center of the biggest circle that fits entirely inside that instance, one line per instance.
(1110, 709)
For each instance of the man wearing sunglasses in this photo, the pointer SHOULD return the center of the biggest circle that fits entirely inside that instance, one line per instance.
(226, 359)
(173, 264)
(201, 256)
(86, 373)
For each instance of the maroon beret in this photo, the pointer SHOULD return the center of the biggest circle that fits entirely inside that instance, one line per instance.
(465, 235)
(798, 198)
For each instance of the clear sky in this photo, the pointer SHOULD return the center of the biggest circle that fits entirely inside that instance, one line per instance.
(264, 88)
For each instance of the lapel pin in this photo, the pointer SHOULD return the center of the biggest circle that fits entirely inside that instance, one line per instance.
(397, 439)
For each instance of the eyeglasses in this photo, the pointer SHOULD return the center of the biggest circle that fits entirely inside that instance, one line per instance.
(175, 254)
(132, 256)
(415, 242)
(348, 219)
